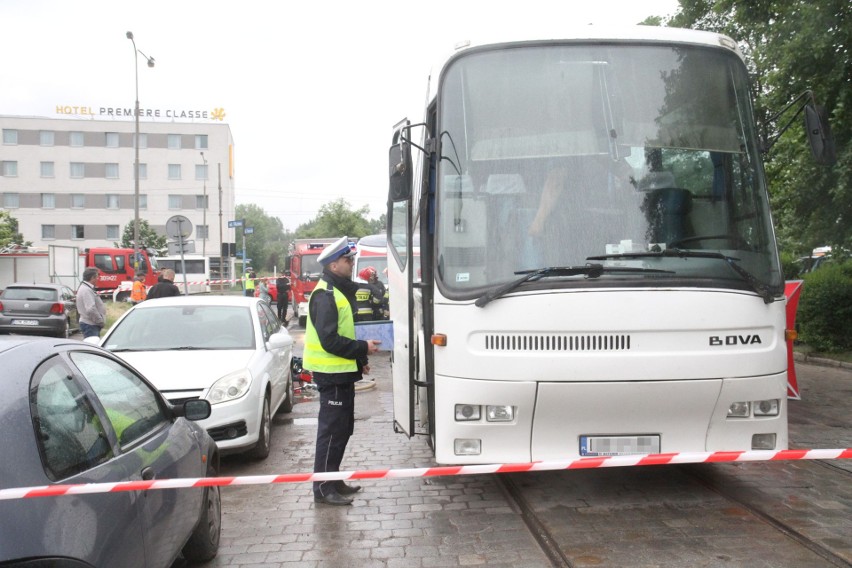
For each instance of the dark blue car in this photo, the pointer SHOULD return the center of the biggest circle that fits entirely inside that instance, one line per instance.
(73, 413)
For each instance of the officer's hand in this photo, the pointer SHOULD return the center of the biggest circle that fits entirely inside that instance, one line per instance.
(365, 370)
(372, 346)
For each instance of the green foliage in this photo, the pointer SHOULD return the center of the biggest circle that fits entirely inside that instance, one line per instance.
(789, 266)
(337, 219)
(148, 238)
(266, 246)
(792, 46)
(9, 234)
(825, 308)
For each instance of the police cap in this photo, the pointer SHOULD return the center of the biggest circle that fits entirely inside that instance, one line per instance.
(335, 250)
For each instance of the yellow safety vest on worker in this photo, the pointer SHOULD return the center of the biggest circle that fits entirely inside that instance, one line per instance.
(249, 285)
(315, 358)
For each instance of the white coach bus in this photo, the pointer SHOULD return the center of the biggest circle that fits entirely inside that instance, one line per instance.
(598, 273)
(197, 275)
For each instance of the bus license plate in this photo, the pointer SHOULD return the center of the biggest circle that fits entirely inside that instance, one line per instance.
(24, 322)
(619, 445)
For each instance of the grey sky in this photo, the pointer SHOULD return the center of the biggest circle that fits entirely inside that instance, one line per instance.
(310, 90)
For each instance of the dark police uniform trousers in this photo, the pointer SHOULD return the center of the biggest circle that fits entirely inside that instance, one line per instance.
(336, 423)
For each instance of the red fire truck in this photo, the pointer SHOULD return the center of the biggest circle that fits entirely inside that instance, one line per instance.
(304, 271)
(65, 265)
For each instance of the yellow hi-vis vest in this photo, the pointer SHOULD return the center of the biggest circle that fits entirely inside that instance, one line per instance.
(249, 285)
(315, 358)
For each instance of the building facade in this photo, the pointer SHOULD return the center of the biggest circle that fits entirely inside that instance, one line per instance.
(71, 182)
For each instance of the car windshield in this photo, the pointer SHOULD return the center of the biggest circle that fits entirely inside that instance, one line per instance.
(32, 294)
(558, 155)
(184, 328)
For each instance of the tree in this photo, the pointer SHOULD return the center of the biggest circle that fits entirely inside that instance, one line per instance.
(9, 234)
(267, 244)
(337, 219)
(148, 238)
(793, 46)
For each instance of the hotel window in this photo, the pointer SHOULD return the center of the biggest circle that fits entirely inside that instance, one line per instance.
(112, 139)
(143, 171)
(200, 141)
(174, 141)
(47, 169)
(10, 136)
(174, 171)
(143, 140)
(11, 200)
(175, 201)
(112, 232)
(78, 200)
(48, 231)
(111, 171)
(78, 169)
(48, 200)
(112, 201)
(200, 200)
(76, 139)
(143, 201)
(201, 172)
(10, 169)
(45, 137)
(78, 231)
(202, 232)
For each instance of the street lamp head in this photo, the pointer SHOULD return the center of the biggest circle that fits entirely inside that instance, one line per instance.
(130, 35)
(150, 61)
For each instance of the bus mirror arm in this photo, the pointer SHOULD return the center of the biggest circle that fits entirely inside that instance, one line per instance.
(817, 129)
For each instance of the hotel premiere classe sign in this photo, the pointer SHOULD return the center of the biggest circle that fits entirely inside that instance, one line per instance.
(125, 112)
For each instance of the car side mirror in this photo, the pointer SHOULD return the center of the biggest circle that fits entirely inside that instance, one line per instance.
(198, 409)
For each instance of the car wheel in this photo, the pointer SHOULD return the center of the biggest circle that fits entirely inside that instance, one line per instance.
(122, 297)
(261, 449)
(203, 543)
(287, 405)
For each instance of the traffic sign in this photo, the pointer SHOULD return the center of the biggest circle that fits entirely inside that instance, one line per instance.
(248, 230)
(236, 223)
(178, 227)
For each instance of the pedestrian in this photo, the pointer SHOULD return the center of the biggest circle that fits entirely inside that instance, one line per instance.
(165, 287)
(263, 292)
(139, 292)
(90, 307)
(338, 361)
(282, 287)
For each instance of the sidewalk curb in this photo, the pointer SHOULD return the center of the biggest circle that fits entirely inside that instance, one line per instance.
(822, 361)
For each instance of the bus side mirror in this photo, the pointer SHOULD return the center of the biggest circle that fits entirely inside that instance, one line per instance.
(400, 171)
(819, 135)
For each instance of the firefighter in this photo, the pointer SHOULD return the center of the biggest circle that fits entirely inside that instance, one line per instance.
(377, 294)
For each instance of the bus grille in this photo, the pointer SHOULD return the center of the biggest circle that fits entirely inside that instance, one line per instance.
(507, 342)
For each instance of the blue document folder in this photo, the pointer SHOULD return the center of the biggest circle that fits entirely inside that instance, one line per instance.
(381, 330)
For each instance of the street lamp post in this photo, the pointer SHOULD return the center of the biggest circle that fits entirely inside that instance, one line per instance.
(150, 60)
(204, 215)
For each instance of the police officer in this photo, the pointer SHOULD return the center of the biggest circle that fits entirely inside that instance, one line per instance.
(248, 287)
(337, 360)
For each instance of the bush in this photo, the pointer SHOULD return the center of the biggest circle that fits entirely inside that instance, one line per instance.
(825, 308)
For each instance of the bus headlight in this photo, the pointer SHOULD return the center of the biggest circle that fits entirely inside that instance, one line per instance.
(739, 410)
(468, 412)
(766, 408)
(763, 442)
(499, 413)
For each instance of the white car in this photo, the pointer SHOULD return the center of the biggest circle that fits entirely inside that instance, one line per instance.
(229, 350)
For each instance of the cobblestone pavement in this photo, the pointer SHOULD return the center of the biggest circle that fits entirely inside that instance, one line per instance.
(624, 519)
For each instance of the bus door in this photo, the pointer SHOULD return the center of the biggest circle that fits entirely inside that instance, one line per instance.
(400, 280)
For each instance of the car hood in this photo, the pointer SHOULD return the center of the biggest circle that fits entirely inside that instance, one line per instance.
(179, 370)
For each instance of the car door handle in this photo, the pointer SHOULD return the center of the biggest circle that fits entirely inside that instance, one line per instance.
(148, 474)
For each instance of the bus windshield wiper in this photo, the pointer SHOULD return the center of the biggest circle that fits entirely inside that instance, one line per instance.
(759, 287)
(589, 270)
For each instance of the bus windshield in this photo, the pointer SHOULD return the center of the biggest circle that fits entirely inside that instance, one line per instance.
(552, 155)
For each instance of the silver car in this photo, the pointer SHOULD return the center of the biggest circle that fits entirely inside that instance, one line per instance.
(43, 309)
(73, 413)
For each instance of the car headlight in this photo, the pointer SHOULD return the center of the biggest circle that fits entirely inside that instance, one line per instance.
(230, 387)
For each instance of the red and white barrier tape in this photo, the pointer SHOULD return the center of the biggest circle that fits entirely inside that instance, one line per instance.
(179, 281)
(580, 463)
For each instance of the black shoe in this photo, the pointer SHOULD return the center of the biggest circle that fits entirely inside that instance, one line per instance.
(344, 489)
(333, 498)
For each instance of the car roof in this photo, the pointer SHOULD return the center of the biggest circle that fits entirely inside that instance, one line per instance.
(198, 300)
(36, 285)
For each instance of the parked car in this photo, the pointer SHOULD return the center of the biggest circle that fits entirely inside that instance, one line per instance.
(73, 413)
(43, 309)
(229, 350)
